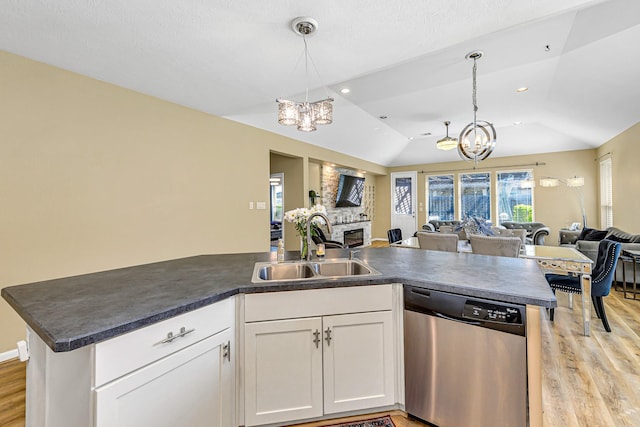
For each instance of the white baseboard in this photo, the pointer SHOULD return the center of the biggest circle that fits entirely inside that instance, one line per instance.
(11, 354)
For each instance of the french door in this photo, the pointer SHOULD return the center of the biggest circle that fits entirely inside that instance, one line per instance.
(403, 202)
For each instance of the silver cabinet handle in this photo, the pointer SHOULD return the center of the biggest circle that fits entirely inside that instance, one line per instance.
(327, 337)
(226, 351)
(316, 339)
(170, 337)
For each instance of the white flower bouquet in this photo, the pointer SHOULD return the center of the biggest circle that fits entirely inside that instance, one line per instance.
(299, 217)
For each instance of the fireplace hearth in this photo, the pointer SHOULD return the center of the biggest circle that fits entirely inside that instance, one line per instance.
(353, 238)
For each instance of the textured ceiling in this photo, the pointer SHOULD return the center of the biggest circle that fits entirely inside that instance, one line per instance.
(403, 59)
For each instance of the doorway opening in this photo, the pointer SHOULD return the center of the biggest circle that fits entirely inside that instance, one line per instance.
(276, 199)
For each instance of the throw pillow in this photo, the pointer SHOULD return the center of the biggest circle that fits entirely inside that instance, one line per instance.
(592, 234)
(595, 235)
(618, 238)
(584, 232)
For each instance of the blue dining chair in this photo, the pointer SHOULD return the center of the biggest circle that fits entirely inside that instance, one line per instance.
(601, 279)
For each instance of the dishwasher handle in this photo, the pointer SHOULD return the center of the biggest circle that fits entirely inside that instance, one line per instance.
(457, 319)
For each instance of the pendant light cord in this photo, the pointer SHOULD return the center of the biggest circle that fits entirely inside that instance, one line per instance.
(474, 92)
(306, 67)
(475, 111)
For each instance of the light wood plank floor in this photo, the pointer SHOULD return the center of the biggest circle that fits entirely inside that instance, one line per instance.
(12, 392)
(587, 381)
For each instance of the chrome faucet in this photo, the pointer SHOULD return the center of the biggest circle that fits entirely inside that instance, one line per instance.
(352, 254)
(326, 220)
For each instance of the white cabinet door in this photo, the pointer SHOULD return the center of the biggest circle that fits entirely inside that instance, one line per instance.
(192, 387)
(358, 361)
(283, 370)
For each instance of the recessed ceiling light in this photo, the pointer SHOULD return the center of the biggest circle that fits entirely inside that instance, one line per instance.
(345, 90)
(383, 117)
(517, 123)
(522, 89)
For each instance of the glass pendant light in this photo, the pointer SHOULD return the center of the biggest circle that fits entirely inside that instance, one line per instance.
(305, 115)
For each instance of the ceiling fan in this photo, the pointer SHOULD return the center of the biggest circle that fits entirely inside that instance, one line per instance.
(445, 143)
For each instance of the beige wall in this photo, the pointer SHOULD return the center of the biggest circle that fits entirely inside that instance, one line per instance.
(315, 179)
(96, 177)
(556, 207)
(625, 161)
(382, 221)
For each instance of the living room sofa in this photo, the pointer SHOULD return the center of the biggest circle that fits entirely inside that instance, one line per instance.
(589, 239)
(434, 224)
(536, 231)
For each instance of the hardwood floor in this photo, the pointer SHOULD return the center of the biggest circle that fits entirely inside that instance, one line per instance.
(379, 244)
(12, 392)
(592, 381)
(587, 381)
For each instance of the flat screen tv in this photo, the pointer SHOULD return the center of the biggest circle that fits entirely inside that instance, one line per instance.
(350, 189)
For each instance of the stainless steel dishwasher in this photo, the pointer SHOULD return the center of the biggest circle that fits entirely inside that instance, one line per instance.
(465, 360)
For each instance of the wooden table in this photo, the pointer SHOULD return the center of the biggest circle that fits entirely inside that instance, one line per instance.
(565, 260)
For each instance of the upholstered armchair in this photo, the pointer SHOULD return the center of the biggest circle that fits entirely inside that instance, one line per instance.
(434, 224)
(536, 231)
(462, 235)
(568, 237)
(447, 242)
(511, 232)
(496, 246)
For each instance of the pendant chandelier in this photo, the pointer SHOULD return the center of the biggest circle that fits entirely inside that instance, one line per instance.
(478, 139)
(305, 115)
(447, 143)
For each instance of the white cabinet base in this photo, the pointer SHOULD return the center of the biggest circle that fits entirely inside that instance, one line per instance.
(187, 388)
(312, 353)
(283, 369)
(188, 381)
(358, 362)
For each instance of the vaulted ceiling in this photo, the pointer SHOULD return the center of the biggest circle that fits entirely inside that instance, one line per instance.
(401, 59)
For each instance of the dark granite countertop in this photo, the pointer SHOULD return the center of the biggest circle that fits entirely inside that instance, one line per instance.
(72, 312)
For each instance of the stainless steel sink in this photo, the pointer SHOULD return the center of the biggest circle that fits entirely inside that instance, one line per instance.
(285, 271)
(303, 270)
(341, 268)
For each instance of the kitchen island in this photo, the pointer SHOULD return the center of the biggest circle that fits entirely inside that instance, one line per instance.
(73, 315)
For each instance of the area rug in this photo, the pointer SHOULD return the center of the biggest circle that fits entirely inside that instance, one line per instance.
(375, 422)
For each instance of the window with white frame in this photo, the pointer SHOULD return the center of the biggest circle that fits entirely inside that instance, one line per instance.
(514, 196)
(606, 194)
(475, 195)
(440, 198)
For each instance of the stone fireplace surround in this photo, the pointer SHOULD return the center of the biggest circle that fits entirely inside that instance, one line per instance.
(343, 219)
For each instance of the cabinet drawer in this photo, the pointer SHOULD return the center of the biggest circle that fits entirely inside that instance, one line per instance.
(123, 354)
(317, 302)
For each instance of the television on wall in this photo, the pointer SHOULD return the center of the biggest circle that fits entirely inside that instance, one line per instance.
(350, 189)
